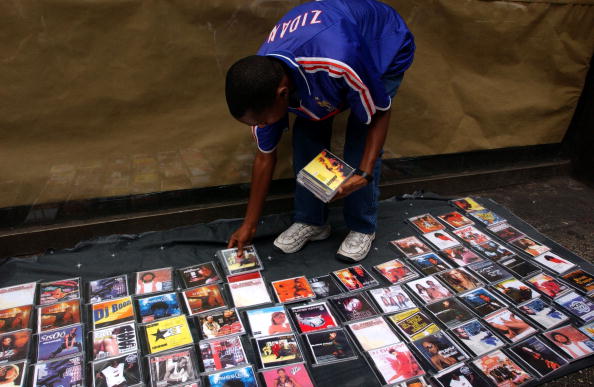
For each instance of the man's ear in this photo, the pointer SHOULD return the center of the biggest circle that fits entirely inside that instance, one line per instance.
(283, 92)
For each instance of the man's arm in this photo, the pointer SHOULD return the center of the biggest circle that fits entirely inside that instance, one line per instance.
(262, 171)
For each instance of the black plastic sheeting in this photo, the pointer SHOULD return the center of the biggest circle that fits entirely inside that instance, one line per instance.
(180, 247)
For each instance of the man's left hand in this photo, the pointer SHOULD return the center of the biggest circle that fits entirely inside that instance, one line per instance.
(354, 183)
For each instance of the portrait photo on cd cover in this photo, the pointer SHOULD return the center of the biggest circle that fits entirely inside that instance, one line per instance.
(112, 312)
(392, 299)
(66, 372)
(244, 377)
(355, 277)
(509, 325)
(515, 290)
(571, 341)
(548, 285)
(477, 338)
(60, 343)
(268, 321)
(441, 239)
(554, 262)
(539, 356)
(430, 263)
(108, 288)
(502, 370)
(248, 261)
(58, 291)
(221, 323)
(506, 232)
(329, 346)
(14, 346)
(429, 289)
(14, 374)
(581, 279)
(440, 351)
(313, 317)
(373, 333)
(114, 341)
(290, 375)
(460, 280)
(15, 318)
(203, 299)
(173, 368)
(461, 255)
(450, 311)
(156, 307)
(198, 275)
(490, 271)
(152, 281)
(455, 219)
(395, 271)
(543, 314)
(353, 307)
(222, 353)
(460, 375)
(519, 267)
(411, 246)
(396, 363)
(471, 235)
(530, 246)
(426, 223)
(119, 371)
(487, 217)
(278, 350)
(493, 250)
(482, 302)
(324, 286)
(58, 315)
(293, 289)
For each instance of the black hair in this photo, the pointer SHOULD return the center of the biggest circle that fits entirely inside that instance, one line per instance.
(251, 84)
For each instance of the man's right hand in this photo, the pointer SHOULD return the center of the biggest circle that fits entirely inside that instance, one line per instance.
(242, 237)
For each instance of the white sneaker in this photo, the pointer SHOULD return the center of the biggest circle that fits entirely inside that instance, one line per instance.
(355, 247)
(296, 236)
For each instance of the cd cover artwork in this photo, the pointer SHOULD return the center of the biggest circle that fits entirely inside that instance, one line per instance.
(58, 291)
(58, 315)
(198, 275)
(440, 351)
(112, 312)
(441, 239)
(173, 368)
(168, 334)
(220, 323)
(114, 341)
(490, 271)
(278, 350)
(17, 295)
(15, 318)
(65, 372)
(426, 223)
(459, 280)
(506, 232)
(14, 375)
(461, 255)
(395, 363)
(156, 307)
(415, 382)
(430, 264)
(373, 333)
(471, 235)
(455, 219)
(60, 343)
(539, 356)
(108, 289)
(520, 267)
(268, 321)
(509, 325)
(515, 290)
(324, 286)
(411, 246)
(248, 290)
(324, 175)
(450, 311)
(153, 281)
(353, 307)
(578, 305)
(416, 326)
(502, 370)
(581, 279)
(313, 317)
(293, 289)
(223, 353)
(477, 338)
(547, 285)
(482, 302)
(588, 330)
(330, 346)
(554, 262)
(243, 376)
(355, 278)
(392, 299)
(429, 289)
(460, 375)
(14, 346)
(467, 204)
(530, 246)
(119, 371)
(544, 315)
(493, 250)
(248, 262)
(487, 217)
(395, 271)
(292, 375)
(203, 299)
(571, 341)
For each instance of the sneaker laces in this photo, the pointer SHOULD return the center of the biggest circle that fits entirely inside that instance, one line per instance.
(356, 239)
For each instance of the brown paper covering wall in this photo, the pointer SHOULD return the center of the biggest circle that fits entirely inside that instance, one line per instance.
(115, 97)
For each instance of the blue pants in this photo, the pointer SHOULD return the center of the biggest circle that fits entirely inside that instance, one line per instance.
(309, 139)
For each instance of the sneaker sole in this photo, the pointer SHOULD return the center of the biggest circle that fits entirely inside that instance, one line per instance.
(319, 237)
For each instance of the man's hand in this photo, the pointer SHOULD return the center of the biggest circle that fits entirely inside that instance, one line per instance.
(241, 237)
(354, 183)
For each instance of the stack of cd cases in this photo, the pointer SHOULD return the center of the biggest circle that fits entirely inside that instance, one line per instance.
(324, 175)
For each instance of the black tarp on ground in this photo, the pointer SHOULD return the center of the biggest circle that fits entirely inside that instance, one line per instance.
(185, 246)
